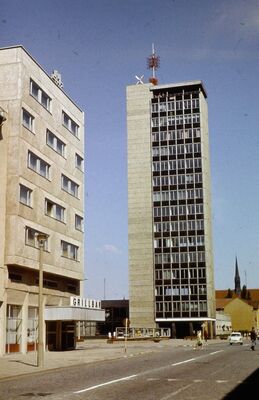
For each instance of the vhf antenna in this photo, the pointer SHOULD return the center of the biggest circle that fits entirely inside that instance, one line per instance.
(153, 62)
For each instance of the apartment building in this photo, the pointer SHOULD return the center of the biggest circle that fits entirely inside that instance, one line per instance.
(171, 273)
(42, 191)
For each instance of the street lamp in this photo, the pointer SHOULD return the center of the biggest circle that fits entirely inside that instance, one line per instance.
(41, 238)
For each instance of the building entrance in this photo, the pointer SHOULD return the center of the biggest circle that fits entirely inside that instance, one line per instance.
(60, 335)
(68, 335)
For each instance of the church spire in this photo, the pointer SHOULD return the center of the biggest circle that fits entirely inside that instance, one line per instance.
(237, 280)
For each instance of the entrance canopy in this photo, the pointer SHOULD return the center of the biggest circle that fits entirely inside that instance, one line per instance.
(53, 313)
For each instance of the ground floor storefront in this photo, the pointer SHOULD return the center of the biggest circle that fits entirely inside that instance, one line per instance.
(61, 327)
(187, 328)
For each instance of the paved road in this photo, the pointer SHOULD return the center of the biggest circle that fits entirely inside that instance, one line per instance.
(183, 373)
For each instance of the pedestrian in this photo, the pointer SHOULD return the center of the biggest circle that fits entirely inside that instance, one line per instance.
(199, 340)
(205, 335)
(253, 338)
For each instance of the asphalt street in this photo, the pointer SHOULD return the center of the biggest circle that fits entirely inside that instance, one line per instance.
(216, 372)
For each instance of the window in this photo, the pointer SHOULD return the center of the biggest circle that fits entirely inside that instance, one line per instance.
(167, 291)
(158, 273)
(158, 260)
(27, 120)
(70, 124)
(195, 103)
(203, 306)
(25, 195)
(54, 210)
(159, 291)
(38, 165)
(40, 95)
(155, 108)
(176, 306)
(32, 326)
(55, 143)
(69, 186)
(69, 250)
(31, 238)
(175, 291)
(79, 223)
(71, 288)
(15, 277)
(79, 162)
(13, 328)
(159, 307)
(48, 283)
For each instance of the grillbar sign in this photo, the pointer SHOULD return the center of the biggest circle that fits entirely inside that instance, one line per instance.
(81, 302)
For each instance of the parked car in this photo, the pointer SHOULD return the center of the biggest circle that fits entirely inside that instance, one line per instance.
(235, 337)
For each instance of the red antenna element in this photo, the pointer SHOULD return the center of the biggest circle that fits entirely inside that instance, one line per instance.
(153, 62)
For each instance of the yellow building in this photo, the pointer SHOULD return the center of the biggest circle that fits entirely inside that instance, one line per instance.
(243, 315)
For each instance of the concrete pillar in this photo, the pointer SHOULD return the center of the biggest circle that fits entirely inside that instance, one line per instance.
(173, 332)
(211, 329)
(190, 329)
(44, 323)
(2, 327)
(78, 330)
(24, 327)
(59, 335)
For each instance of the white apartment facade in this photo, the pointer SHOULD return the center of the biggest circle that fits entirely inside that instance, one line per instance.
(42, 191)
(171, 272)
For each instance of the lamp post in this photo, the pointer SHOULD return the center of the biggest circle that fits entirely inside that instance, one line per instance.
(41, 238)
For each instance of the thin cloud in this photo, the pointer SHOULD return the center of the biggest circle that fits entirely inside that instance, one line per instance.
(109, 248)
(233, 15)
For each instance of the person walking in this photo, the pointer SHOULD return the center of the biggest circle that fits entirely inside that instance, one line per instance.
(253, 338)
(199, 340)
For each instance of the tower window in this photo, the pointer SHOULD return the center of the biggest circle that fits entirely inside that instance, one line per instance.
(28, 120)
(70, 124)
(40, 95)
(54, 210)
(69, 250)
(79, 162)
(69, 186)
(38, 165)
(25, 195)
(55, 143)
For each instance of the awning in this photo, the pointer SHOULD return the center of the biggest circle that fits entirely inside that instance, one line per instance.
(73, 314)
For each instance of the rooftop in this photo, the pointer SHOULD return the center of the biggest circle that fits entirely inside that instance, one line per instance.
(22, 48)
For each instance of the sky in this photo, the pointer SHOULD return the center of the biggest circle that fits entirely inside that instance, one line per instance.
(99, 46)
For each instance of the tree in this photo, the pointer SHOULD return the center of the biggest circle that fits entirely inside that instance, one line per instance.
(229, 294)
(244, 292)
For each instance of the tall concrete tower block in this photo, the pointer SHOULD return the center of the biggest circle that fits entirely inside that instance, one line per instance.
(171, 273)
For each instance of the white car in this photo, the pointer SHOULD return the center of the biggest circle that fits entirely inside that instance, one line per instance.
(235, 337)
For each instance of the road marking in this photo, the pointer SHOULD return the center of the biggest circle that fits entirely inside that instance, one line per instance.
(196, 358)
(126, 378)
(134, 376)
(183, 362)
(216, 352)
(175, 393)
(221, 381)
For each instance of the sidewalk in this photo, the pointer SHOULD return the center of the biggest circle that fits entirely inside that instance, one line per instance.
(91, 350)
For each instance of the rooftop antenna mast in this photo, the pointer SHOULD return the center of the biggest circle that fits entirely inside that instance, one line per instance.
(153, 62)
(245, 279)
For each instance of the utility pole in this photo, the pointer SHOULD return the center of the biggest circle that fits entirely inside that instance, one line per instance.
(42, 238)
(126, 335)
